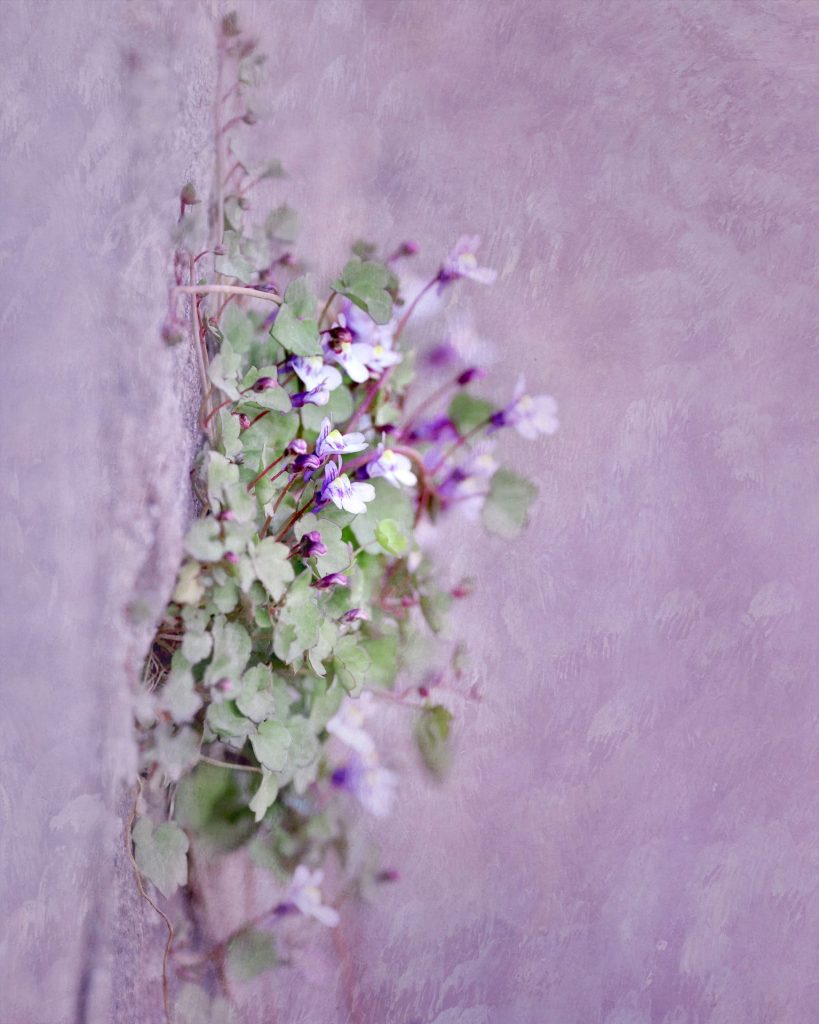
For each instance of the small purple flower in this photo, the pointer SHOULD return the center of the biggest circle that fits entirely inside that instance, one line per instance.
(305, 895)
(333, 442)
(529, 415)
(313, 372)
(439, 429)
(311, 545)
(393, 467)
(332, 579)
(462, 262)
(319, 395)
(298, 446)
(351, 497)
(468, 484)
(369, 782)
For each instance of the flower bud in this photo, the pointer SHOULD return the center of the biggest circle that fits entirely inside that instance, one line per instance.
(188, 196)
(354, 615)
(220, 250)
(473, 373)
(224, 685)
(305, 463)
(311, 545)
(298, 446)
(423, 691)
(333, 579)
(232, 557)
(387, 875)
(410, 248)
(265, 384)
(227, 515)
(250, 118)
(244, 421)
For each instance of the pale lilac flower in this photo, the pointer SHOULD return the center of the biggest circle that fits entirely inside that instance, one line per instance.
(373, 785)
(333, 442)
(347, 724)
(462, 262)
(311, 545)
(319, 395)
(530, 415)
(351, 497)
(359, 341)
(305, 895)
(313, 372)
(395, 468)
(468, 484)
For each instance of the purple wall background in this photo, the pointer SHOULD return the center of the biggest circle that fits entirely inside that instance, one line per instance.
(630, 834)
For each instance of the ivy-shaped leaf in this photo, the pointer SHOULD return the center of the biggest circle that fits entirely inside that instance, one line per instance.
(301, 337)
(271, 564)
(432, 736)
(265, 796)
(203, 541)
(161, 854)
(365, 283)
(506, 509)
(271, 744)
(391, 537)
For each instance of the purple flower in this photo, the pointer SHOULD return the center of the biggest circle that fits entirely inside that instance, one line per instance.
(468, 484)
(347, 724)
(351, 497)
(333, 442)
(333, 579)
(369, 782)
(462, 262)
(530, 415)
(361, 345)
(313, 372)
(305, 895)
(319, 395)
(298, 446)
(439, 429)
(393, 467)
(311, 545)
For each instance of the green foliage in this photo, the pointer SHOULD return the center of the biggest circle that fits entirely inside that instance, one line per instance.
(264, 644)
(251, 953)
(432, 736)
(506, 509)
(161, 854)
(365, 283)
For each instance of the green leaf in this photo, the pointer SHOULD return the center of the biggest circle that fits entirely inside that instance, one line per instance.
(300, 298)
(432, 736)
(304, 747)
(224, 371)
(265, 796)
(229, 724)
(297, 628)
(389, 503)
(234, 263)
(161, 854)
(231, 650)
(282, 224)
(298, 336)
(351, 663)
(263, 695)
(179, 698)
(391, 537)
(506, 509)
(271, 564)
(365, 282)
(211, 803)
(467, 411)
(383, 653)
(250, 954)
(194, 1006)
(238, 328)
(270, 745)
(434, 608)
(189, 589)
(176, 753)
(203, 542)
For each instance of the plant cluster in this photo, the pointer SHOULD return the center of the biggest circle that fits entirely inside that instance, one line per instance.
(305, 594)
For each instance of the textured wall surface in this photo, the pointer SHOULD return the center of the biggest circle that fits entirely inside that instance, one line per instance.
(631, 833)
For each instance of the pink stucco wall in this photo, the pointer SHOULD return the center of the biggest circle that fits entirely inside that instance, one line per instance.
(631, 831)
